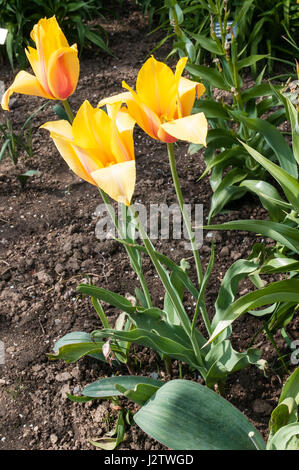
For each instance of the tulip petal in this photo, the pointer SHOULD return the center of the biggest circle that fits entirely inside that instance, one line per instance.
(187, 91)
(119, 98)
(61, 133)
(26, 84)
(63, 72)
(118, 181)
(156, 88)
(142, 114)
(191, 128)
(92, 130)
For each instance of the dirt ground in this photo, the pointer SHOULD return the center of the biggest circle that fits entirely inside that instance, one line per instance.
(48, 246)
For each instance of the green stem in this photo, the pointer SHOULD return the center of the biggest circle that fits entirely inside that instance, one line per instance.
(129, 249)
(187, 222)
(171, 291)
(180, 199)
(68, 110)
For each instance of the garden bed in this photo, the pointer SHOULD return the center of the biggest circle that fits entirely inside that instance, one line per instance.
(48, 247)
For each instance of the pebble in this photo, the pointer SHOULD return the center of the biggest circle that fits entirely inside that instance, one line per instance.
(53, 439)
(261, 407)
(224, 251)
(63, 376)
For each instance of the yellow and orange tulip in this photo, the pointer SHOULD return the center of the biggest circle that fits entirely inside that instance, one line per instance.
(55, 65)
(99, 148)
(163, 102)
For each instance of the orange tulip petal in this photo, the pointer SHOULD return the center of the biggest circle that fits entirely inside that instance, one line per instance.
(143, 115)
(119, 98)
(63, 72)
(61, 133)
(26, 84)
(187, 92)
(118, 181)
(191, 128)
(92, 130)
(156, 88)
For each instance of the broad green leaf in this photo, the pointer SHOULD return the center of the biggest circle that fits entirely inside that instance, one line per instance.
(222, 360)
(251, 60)
(286, 438)
(227, 191)
(291, 388)
(209, 44)
(149, 339)
(280, 416)
(229, 286)
(289, 184)
(184, 415)
(75, 345)
(280, 291)
(276, 141)
(211, 109)
(107, 296)
(209, 74)
(121, 385)
(293, 113)
(269, 197)
(282, 233)
(264, 89)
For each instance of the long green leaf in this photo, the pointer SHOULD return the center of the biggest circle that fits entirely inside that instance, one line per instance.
(289, 184)
(279, 232)
(184, 415)
(280, 291)
(276, 141)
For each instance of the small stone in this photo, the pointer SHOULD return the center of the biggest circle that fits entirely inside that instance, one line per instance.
(261, 407)
(53, 439)
(63, 377)
(224, 251)
(235, 255)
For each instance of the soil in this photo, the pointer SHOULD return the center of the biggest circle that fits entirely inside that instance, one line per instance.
(48, 246)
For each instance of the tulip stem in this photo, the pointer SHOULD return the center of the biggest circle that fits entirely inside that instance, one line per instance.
(180, 199)
(130, 250)
(187, 221)
(171, 291)
(68, 110)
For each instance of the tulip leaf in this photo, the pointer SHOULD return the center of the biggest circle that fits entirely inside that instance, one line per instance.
(222, 360)
(211, 109)
(269, 197)
(289, 184)
(199, 418)
(140, 388)
(73, 346)
(282, 233)
(111, 298)
(164, 345)
(275, 140)
(251, 60)
(212, 76)
(280, 291)
(291, 388)
(286, 438)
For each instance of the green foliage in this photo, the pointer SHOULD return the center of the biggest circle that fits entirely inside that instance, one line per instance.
(73, 16)
(14, 143)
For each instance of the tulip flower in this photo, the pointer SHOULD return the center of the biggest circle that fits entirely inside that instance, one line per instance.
(163, 102)
(99, 148)
(55, 65)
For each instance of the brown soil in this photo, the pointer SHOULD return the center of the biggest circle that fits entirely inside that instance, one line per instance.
(48, 246)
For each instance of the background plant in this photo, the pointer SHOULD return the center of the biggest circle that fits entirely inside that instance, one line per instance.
(19, 17)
